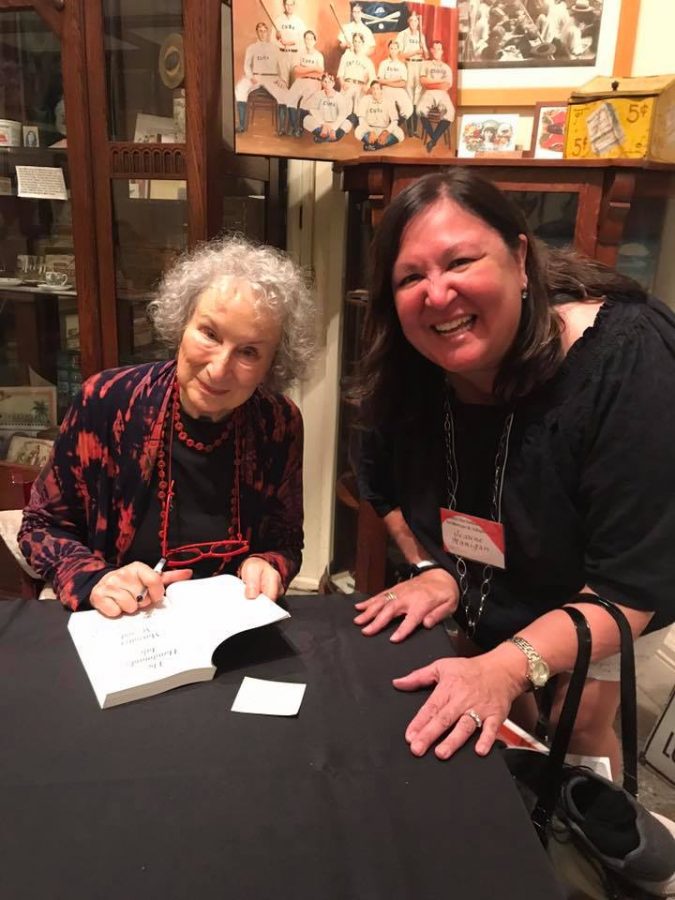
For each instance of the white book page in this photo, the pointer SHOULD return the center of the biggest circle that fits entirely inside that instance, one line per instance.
(221, 605)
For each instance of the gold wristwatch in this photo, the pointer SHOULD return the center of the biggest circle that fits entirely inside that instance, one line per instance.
(538, 671)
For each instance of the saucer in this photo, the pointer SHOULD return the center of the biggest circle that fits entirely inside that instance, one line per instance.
(52, 288)
(9, 282)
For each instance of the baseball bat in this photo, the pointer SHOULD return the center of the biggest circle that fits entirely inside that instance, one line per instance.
(339, 24)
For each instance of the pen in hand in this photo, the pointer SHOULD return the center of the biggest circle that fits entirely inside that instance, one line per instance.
(158, 568)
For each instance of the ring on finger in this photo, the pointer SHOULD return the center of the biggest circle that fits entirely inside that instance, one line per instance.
(389, 595)
(472, 714)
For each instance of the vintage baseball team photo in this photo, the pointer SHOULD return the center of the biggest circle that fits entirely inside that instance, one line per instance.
(343, 79)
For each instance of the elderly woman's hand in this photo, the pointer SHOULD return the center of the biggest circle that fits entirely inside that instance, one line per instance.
(260, 577)
(467, 692)
(425, 600)
(124, 589)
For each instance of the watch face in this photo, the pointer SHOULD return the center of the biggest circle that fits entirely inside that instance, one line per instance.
(539, 673)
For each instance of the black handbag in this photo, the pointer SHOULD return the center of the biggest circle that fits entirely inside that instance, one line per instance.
(601, 841)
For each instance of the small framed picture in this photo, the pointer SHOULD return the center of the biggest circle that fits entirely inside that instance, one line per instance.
(482, 133)
(28, 451)
(27, 408)
(31, 136)
(548, 132)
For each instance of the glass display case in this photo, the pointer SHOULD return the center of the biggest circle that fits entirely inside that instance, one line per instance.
(39, 318)
(145, 70)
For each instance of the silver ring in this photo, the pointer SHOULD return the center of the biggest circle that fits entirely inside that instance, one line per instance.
(474, 715)
(389, 595)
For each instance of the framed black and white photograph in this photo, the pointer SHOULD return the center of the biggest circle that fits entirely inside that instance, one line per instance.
(567, 41)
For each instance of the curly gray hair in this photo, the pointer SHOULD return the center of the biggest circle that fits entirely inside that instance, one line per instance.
(278, 286)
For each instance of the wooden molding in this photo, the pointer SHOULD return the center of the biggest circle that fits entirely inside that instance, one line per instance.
(128, 160)
(50, 11)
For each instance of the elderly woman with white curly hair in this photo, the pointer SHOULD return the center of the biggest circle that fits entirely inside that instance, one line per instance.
(197, 461)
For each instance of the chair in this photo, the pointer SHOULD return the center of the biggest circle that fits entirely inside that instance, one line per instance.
(259, 101)
(15, 484)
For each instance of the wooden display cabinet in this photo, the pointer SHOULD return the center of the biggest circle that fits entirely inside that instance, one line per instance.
(103, 82)
(616, 211)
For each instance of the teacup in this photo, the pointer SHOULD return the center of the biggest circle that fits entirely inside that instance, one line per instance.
(54, 278)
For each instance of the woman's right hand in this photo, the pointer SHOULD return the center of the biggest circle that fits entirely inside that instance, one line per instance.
(123, 590)
(425, 600)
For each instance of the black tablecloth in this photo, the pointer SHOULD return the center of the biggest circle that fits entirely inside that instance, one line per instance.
(178, 797)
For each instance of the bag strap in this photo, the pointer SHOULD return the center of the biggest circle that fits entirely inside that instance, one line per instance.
(553, 769)
(629, 740)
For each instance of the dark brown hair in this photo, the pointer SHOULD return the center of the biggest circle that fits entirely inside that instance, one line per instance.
(394, 376)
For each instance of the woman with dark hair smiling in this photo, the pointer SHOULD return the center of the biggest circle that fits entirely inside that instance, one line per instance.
(520, 401)
(196, 462)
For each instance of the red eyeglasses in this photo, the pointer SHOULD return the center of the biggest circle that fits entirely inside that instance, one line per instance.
(190, 554)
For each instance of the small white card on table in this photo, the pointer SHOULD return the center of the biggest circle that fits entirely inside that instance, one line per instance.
(268, 698)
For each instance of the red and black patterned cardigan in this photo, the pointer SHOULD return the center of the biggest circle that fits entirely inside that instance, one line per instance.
(82, 514)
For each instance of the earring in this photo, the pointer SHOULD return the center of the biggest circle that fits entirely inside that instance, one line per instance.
(524, 294)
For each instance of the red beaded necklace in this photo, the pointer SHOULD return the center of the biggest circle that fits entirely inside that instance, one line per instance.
(198, 445)
(166, 485)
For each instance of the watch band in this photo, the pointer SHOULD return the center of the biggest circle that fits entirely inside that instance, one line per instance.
(538, 671)
(424, 565)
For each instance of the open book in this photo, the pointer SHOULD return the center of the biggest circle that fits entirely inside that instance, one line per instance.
(166, 646)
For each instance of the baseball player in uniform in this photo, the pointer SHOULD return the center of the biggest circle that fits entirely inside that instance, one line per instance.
(290, 38)
(436, 80)
(306, 82)
(261, 70)
(393, 76)
(356, 72)
(378, 120)
(356, 26)
(328, 113)
(414, 51)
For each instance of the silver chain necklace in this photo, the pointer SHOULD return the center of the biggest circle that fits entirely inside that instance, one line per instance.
(473, 616)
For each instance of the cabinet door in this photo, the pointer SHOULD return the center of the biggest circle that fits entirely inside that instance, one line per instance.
(40, 319)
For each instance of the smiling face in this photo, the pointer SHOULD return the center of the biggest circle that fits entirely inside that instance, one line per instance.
(457, 290)
(226, 351)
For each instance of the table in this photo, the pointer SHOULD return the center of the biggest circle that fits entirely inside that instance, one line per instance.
(176, 796)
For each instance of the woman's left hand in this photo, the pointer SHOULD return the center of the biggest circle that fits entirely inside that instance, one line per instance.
(260, 577)
(477, 684)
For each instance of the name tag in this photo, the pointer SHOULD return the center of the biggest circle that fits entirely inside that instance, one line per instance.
(471, 537)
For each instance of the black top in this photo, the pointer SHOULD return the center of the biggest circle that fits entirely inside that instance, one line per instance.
(201, 507)
(589, 484)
